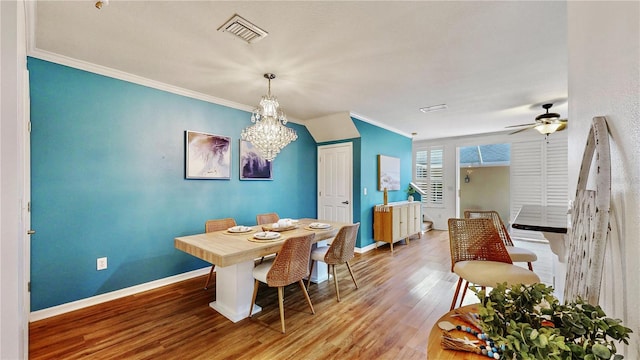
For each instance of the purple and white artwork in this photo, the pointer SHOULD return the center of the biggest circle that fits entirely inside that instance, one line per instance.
(207, 156)
(252, 165)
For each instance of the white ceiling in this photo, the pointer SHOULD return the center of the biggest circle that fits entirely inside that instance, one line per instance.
(492, 63)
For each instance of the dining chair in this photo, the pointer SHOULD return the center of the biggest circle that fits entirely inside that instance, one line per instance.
(479, 256)
(216, 225)
(289, 266)
(339, 252)
(517, 254)
(268, 218)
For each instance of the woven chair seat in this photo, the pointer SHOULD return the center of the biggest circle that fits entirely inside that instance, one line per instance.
(260, 271)
(319, 253)
(490, 273)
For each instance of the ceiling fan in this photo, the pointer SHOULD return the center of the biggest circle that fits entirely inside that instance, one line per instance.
(546, 123)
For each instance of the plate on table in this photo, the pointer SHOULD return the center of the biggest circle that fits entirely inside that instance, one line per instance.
(239, 229)
(318, 225)
(266, 235)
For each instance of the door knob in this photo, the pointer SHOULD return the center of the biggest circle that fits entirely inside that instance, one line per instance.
(31, 232)
(346, 202)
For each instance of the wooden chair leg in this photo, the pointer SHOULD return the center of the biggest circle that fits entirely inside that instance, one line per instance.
(530, 265)
(253, 298)
(335, 281)
(455, 294)
(306, 295)
(352, 276)
(206, 284)
(281, 303)
(310, 272)
(464, 292)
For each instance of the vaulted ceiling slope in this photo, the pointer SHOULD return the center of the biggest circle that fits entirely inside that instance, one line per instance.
(492, 63)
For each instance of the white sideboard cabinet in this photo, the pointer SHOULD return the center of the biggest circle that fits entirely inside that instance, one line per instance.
(396, 221)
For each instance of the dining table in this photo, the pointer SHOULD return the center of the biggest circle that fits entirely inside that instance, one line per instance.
(234, 253)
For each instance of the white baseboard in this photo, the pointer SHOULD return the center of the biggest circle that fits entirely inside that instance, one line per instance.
(98, 299)
(366, 248)
(94, 300)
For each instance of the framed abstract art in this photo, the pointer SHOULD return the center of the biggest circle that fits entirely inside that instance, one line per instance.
(252, 165)
(207, 156)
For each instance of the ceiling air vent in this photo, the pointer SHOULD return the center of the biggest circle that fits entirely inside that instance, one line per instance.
(243, 29)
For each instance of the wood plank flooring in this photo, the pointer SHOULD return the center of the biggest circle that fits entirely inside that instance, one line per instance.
(389, 317)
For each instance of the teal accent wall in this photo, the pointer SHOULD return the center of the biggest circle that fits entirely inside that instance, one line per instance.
(375, 141)
(107, 178)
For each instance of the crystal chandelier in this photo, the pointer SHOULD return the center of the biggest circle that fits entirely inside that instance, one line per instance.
(268, 133)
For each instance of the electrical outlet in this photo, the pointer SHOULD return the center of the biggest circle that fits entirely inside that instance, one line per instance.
(101, 263)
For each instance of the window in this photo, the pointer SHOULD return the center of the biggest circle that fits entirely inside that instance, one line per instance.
(429, 175)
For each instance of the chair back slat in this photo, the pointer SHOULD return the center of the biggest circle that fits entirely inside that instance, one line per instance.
(476, 239)
(497, 222)
(292, 262)
(343, 245)
(268, 218)
(219, 224)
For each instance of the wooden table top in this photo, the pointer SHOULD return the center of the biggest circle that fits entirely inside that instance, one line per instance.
(223, 248)
(435, 350)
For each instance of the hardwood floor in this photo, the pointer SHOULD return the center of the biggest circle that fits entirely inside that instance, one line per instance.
(389, 317)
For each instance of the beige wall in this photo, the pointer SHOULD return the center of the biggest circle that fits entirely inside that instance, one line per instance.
(488, 189)
(604, 80)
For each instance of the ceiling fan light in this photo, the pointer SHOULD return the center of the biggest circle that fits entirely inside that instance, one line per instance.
(546, 129)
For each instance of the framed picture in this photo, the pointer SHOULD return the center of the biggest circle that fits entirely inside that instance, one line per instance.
(252, 165)
(207, 156)
(388, 173)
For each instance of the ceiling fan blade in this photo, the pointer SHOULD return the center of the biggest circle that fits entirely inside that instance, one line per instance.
(512, 126)
(521, 130)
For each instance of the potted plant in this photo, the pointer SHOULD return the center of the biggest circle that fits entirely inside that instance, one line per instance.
(528, 322)
(410, 191)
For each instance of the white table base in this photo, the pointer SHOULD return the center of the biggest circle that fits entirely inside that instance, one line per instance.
(234, 289)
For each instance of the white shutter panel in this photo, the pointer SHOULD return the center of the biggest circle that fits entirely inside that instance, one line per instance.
(539, 175)
(557, 177)
(526, 181)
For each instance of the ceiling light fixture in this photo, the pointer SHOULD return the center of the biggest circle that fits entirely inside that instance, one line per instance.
(268, 133)
(432, 108)
(548, 122)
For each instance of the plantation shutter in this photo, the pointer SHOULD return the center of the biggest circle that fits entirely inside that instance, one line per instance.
(429, 174)
(538, 177)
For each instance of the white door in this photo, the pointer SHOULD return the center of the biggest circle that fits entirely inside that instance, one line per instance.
(335, 180)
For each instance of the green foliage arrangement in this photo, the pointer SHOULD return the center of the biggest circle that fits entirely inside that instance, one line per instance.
(532, 324)
(410, 190)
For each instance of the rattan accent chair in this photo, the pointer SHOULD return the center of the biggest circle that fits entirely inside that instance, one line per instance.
(339, 252)
(268, 218)
(517, 254)
(479, 256)
(290, 265)
(216, 225)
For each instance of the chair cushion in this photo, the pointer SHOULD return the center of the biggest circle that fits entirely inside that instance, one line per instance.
(319, 253)
(261, 270)
(518, 254)
(490, 273)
